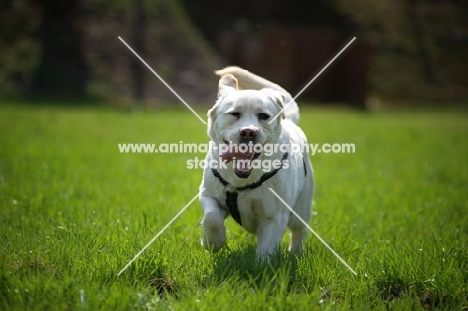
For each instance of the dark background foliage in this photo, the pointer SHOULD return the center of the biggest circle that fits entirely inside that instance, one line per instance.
(405, 49)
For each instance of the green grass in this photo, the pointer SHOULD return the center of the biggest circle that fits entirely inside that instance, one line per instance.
(74, 211)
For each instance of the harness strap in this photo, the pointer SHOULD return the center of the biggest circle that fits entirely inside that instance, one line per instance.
(231, 196)
(231, 202)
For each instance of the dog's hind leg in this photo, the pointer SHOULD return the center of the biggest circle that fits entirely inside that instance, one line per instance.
(298, 229)
(298, 236)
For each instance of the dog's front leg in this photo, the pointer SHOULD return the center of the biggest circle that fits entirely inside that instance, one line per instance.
(269, 234)
(214, 232)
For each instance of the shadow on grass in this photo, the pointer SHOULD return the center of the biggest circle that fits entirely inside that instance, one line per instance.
(241, 265)
(393, 289)
(154, 275)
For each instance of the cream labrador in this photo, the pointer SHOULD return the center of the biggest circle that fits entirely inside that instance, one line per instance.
(240, 168)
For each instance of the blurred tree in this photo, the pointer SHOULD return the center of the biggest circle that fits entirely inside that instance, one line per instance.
(71, 49)
(418, 37)
(138, 39)
(62, 70)
(421, 46)
(20, 50)
(160, 32)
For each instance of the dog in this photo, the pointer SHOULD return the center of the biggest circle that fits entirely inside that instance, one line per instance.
(237, 184)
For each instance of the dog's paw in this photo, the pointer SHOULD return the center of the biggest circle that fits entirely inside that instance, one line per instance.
(214, 234)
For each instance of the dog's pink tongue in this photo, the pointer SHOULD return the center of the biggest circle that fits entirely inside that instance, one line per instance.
(227, 156)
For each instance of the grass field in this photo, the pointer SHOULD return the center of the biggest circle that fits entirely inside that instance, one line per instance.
(74, 211)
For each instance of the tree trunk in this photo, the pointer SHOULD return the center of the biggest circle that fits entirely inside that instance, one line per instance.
(62, 71)
(138, 39)
(418, 35)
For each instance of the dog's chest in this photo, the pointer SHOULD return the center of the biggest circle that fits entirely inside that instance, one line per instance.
(252, 212)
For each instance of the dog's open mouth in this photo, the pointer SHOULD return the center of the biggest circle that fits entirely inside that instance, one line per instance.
(242, 159)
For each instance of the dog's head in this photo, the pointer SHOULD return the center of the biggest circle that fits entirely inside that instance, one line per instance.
(241, 117)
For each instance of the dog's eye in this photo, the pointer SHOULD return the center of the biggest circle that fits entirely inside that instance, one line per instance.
(263, 116)
(235, 114)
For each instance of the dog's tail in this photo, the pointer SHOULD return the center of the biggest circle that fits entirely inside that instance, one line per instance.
(250, 81)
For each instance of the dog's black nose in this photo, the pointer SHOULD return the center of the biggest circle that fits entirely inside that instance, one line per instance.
(248, 133)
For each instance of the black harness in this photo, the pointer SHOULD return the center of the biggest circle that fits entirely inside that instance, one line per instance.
(231, 196)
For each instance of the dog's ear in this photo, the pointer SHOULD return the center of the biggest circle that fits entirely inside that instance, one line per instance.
(227, 84)
(279, 99)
